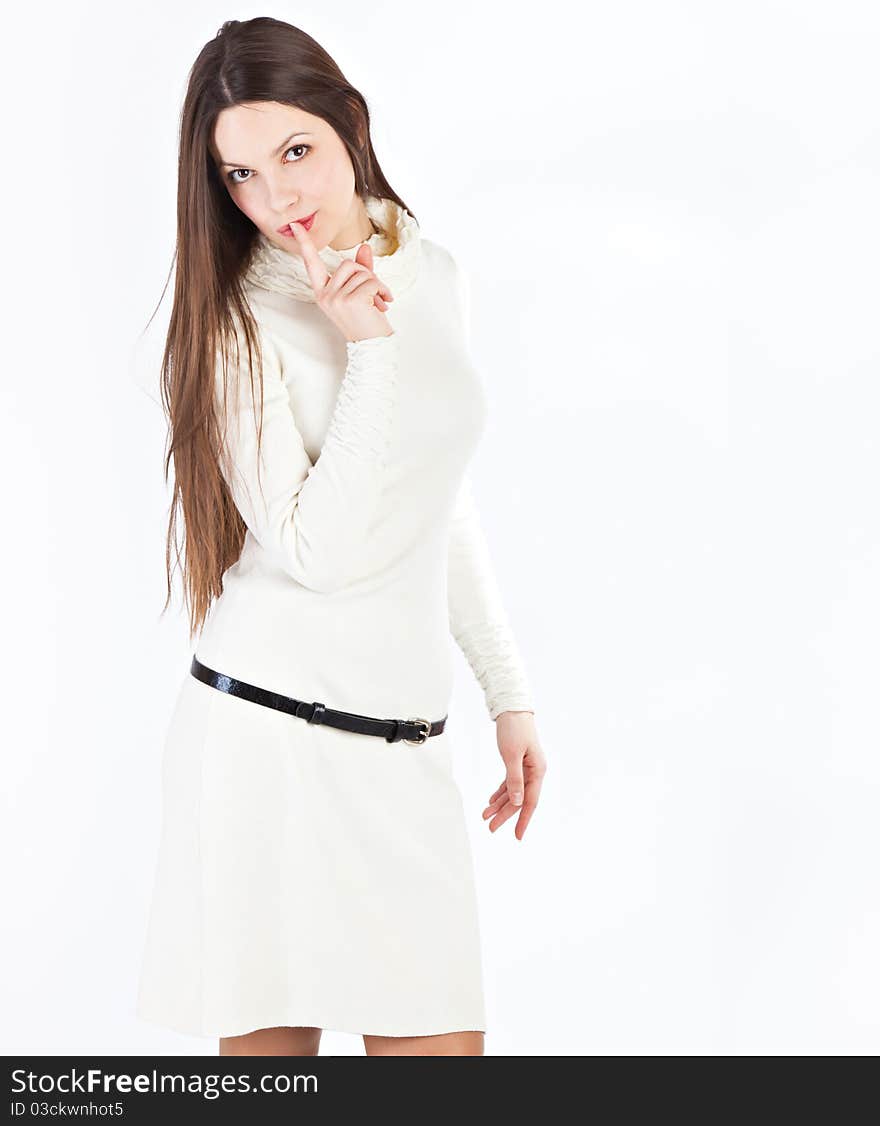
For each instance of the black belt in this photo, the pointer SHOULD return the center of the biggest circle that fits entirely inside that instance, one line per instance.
(391, 730)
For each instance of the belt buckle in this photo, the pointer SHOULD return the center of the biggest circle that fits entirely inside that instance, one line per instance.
(426, 724)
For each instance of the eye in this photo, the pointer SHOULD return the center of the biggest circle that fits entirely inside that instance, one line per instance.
(231, 175)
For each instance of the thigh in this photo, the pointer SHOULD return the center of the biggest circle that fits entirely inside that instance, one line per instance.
(300, 1041)
(446, 1044)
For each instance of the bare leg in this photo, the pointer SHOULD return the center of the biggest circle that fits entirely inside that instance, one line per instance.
(273, 1042)
(446, 1044)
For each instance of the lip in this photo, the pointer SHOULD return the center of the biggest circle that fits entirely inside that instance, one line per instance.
(306, 224)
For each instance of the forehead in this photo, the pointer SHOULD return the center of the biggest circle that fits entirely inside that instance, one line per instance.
(252, 132)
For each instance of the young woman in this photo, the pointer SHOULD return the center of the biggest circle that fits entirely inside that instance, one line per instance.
(314, 868)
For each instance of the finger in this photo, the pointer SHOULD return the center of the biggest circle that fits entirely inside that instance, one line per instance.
(499, 797)
(365, 255)
(359, 268)
(383, 288)
(533, 792)
(533, 787)
(522, 821)
(515, 783)
(341, 281)
(317, 271)
(346, 270)
(494, 806)
(501, 789)
(360, 284)
(504, 814)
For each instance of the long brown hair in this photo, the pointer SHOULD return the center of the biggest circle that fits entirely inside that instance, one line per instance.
(257, 60)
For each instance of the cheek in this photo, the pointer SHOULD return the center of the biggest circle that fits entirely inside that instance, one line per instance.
(318, 181)
(246, 206)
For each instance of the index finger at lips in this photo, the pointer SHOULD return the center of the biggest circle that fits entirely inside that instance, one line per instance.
(317, 271)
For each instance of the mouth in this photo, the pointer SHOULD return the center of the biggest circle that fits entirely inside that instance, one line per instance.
(305, 222)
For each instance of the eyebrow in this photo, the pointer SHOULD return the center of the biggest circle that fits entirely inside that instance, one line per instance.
(281, 147)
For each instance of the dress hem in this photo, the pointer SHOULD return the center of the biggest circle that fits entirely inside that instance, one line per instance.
(287, 1022)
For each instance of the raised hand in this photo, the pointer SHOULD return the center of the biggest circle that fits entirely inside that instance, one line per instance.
(353, 297)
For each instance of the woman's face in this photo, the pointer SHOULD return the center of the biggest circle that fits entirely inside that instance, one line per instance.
(280, 163)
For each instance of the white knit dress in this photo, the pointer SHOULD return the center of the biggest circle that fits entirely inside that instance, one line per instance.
(308, 875)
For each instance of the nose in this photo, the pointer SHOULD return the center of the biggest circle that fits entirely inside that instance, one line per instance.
(281, 200)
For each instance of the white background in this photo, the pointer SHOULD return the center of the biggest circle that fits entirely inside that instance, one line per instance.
(668, 213)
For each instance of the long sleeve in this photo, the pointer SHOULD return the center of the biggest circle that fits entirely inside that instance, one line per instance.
(310, 519)
(477, 617)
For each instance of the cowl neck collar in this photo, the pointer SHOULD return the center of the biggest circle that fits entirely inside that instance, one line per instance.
(396, 250)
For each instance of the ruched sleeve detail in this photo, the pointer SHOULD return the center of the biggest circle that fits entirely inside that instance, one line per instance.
(310, 518)
(477, 617)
